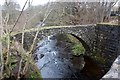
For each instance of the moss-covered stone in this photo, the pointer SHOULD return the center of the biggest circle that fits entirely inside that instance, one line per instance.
(72, 43)
(78, 49)
(99, 58)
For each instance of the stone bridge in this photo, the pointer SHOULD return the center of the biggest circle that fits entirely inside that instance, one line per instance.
(102, 41)
(85, 33)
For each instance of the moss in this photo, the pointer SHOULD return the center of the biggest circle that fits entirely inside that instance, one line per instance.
(78, 49)
(99, 58)
(70, 43)
(33, 73)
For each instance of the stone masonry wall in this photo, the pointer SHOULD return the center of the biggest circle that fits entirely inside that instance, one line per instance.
(107, 42)
(85, 32)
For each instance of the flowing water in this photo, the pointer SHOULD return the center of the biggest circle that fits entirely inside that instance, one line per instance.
(55, 59)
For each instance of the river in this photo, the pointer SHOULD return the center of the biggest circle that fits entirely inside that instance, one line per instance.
(55, 58)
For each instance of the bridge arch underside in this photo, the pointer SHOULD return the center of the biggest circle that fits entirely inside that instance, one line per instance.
(82, 35)
(84, 43)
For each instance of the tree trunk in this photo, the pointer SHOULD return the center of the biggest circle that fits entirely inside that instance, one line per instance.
(1, 28)
(1, 34)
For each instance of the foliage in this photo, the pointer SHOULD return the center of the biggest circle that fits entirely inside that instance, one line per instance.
(17, 59)
(71, 43)
(14, 60)
(78, 49)
(12, 9)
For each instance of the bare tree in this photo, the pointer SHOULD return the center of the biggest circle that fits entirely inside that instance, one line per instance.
(1, 34)
(74, 13)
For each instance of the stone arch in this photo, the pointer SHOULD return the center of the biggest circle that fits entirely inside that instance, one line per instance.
(82, 33)
(81, 39)
(85, 45)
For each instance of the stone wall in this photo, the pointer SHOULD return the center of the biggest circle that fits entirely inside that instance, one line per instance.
(107, 43)
(84, 32)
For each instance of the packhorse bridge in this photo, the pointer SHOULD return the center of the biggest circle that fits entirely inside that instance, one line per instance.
(101, 41)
